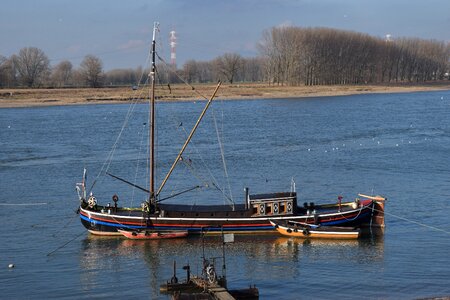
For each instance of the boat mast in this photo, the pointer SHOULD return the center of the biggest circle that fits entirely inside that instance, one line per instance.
(152, 200)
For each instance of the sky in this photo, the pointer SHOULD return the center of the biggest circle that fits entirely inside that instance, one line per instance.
(120, 32)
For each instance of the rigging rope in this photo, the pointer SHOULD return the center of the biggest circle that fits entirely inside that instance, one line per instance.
(414, 222)
(137, 164)
(135, 100)
(23, 204)
(188, 164)
(62, 246)
(73, 217)
(107, 163)
(214, 182)
(223, 156)
(171, 69)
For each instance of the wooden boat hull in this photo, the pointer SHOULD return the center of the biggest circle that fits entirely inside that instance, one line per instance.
(237, 221)
(322, 232)
(152, 235)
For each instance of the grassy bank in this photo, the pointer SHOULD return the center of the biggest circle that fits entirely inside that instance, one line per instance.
(179, 92)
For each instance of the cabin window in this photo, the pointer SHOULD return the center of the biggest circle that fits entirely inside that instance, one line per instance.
(182, 214)
(255, 210)
(276, 208)
(212, 214)
(262, 209)
(282, 207)
(268, 209)
(289, 207)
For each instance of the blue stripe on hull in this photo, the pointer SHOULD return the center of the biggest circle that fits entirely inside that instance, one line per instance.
(357, 220)
(97, 222)
(191, 229)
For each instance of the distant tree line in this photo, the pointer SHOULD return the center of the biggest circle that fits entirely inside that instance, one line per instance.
(31, 68)
(288, 56)
(323, 56)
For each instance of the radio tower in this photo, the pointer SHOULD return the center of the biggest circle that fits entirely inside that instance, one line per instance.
(173, 55)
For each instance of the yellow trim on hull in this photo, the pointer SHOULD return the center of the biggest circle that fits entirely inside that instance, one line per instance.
(333, 235)
(104, 233)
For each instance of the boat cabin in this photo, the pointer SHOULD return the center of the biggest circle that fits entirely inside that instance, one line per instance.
(274, 204)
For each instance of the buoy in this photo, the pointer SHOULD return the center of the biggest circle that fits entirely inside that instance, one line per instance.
(11, 266)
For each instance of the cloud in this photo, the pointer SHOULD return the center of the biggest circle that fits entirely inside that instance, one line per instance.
(286, 23)
(131, 44)
(249, 46)
(74, 49)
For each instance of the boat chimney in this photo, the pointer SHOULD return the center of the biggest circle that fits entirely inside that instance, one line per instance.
(247, 198)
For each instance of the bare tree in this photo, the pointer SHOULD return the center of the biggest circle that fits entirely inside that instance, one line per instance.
(252, 69)
(228, 65)
(8, 73)
(190, 71)
(62, 73)
(121, 77)
(91, 70)
(32, 66)
(3, 71)
(198, 71)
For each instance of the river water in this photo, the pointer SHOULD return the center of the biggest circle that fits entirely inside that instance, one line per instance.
(395, 145)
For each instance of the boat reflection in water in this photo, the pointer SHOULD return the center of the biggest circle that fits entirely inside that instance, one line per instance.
(370, 247)
(264, 259)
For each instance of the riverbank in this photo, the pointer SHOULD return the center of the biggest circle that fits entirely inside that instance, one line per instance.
(181, 92)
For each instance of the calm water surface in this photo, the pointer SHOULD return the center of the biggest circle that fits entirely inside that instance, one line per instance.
(397, 145)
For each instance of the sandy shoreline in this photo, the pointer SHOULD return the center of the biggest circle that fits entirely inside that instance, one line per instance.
(74, 96)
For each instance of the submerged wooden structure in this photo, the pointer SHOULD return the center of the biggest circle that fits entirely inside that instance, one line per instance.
(200, 288)
(207, 285)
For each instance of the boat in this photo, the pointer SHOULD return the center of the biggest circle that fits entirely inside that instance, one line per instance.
(302, 230)
(152, 235)
(252, 215)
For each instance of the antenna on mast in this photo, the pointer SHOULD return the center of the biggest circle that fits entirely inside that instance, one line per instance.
(173, 54)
